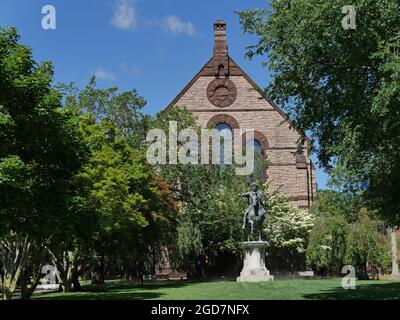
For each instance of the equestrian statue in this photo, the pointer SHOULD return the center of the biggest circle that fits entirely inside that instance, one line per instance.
(255, 213)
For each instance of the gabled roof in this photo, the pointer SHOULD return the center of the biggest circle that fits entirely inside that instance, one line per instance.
(222, 59)
(234, 70)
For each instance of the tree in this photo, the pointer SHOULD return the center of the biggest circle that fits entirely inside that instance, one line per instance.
(327, 246)
(367, 248)
(287, 232)
(395, 260)
(40, 151)
(133, 206)
(136, 214)
(123, 109)
(341, 85)
(345, 233)
(209, 224)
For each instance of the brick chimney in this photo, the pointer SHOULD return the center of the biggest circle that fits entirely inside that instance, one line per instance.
(221, 59)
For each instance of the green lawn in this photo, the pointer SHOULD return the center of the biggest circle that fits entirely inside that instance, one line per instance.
(279, 289)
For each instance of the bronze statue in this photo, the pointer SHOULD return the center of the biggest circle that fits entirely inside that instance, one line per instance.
(255, 213)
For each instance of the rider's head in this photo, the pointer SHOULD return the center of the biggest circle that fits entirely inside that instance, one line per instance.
(254, 186)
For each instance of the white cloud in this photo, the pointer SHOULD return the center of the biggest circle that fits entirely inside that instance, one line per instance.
(125, 16)
(103, 74)
(174, 25)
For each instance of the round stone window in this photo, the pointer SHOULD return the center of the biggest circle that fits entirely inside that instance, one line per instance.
(221, 92)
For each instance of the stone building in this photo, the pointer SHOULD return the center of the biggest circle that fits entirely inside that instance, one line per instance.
(221, 94)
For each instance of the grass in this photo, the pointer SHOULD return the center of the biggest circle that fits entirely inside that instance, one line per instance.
(321, 289)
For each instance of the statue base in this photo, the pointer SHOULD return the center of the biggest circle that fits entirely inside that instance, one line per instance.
(254, 269)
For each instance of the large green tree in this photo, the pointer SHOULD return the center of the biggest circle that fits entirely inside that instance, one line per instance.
(343, 85)
(40, 151)
(122, 109)
(133, 203)
(136, 215)
(345, 233)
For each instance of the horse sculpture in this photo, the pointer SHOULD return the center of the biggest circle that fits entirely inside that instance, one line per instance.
(255, 213)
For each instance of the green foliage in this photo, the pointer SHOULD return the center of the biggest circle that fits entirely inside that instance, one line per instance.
(211, 211)
(287, 231)
(121, 185)
(327, 247)
(122, 109)
(134, 210)
(288, 226)
(114, 176)
(181, 115)
(345, 234)
(341, 85)
(41, 149)
(333, 203)
(365, 244)
(40, 145)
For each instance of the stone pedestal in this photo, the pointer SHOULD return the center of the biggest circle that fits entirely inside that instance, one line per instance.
(254, 269)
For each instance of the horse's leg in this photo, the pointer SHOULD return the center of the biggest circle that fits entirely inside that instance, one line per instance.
(244, 220)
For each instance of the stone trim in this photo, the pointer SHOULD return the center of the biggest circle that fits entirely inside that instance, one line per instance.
(283, 164)
(283, 148)
(218, 100)
(223, 118)
(298, 198)
(230, 110)
(261, 138)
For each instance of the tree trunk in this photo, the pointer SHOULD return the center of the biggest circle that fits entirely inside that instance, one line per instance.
(10, 283)
(68, 276)
(75, 275)
(14, 251)
(98, 275)
(362, 271)
(7, 293)
(76, 284)
(141, 279)
(33, 270)
(71, 272)
(395, 265)
(27, 291)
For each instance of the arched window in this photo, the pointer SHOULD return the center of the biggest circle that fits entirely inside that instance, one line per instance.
(256, 147)
(225, 131)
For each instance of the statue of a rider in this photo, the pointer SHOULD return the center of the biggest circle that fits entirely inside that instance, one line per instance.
(255, 213)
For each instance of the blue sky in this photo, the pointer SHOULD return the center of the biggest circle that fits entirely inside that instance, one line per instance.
(154, 46)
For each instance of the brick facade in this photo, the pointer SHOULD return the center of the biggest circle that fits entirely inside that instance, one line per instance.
(294, 175)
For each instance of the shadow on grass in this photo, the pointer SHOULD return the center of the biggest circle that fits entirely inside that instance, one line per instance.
(116, 291)
(375, 291)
